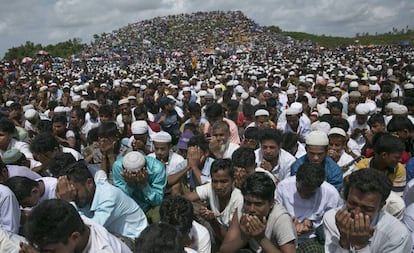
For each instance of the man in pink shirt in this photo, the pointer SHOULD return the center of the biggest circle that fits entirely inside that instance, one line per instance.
(215, 112)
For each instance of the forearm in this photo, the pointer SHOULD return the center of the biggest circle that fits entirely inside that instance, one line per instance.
(175, 178)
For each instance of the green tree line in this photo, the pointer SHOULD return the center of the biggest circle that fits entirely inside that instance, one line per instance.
(29, 49)
(394, 37)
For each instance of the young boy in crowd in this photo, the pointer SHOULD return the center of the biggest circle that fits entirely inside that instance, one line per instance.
(337, 144)
(223, 198)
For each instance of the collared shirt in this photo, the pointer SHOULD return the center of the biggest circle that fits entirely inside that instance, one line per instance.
(9, 210)
(115, 211)
(396, 175)
(390, 235)
(150, 196)
(333, 172)
(325, 198)
(100, 240)
(282, 168)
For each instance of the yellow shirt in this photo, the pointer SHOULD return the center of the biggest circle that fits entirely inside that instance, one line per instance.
(397, 175)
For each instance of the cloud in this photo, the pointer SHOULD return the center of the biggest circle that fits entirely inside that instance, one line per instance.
(52, 21)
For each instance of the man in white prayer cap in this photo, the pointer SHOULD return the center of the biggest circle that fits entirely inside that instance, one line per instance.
(140, 139)
(317, 152)
(358, 124)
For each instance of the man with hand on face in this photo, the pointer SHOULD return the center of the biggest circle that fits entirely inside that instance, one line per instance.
(143, 178)
(271, 157)
(317, 152)
(219, 145)
(164, 153)
(361, 225)
(102, 202)
(264, 225)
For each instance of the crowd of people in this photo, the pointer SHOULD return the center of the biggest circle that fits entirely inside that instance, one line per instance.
(282, 148)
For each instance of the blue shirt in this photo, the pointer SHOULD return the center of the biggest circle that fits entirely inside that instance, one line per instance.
(333, 172)
(150, 196)
(115, 211)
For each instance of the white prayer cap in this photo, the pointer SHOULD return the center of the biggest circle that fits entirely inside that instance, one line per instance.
(27, 107)
(76, 98)
(238, 89)
(261, 112)
(292, 111)
(123, 101)
(31, 114)
(94, 102)
(217, 86)
(408, 86)
(332, 99)
(59, 109)
(323, 127)
(354, 93)
(133, 161)
(354, 84)
(297, 105)
(317, 138)
(202, 93)
(245, 95)
(187, 89)
(43, 88)
(391, 105)
(323, 110)
(331, 85)
(291, 91)
(9, 103)
(139, 127)
(132, 98)
(267, 91)
(336, 89)
(373, 78)
(400, 110)
(362, 109)
(84, 104)
(374, 87)
(162, 137)
(338, 131)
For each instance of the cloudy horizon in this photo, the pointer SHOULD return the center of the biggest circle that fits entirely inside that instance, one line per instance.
(53, 21)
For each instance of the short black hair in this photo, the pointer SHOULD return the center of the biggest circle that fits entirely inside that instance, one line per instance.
(222, 164)
(369, 181)
(244, 157)
(43, 142)
(388, 143)
(400, 123)
(271, 134)
(53, 221)
(214, 110)
(259, 185)
(199, 141)
(177, 211)
(160, 237)
(59, 162)
(339, 122)
(106, 111)
(336, 104)
(59, 118)
(21, 186)
(7, 126)
(108, 129)
(377, 118)
(310, 175)
(78, 172)
(251, 133)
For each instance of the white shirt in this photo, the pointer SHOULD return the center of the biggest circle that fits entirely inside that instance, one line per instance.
(173, 160)
(10, 242)
(75, 153)
(326, 197)
(100, 240)
(201, 237)
(282, 169)
(229, 150)
(301, 151)
(50, 188)
(390, 235)
(206, 192)
(304, 127)
(346, 159)
(9, 210)
(353, 124)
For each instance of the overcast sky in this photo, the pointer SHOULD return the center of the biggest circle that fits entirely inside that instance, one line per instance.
(52, 21)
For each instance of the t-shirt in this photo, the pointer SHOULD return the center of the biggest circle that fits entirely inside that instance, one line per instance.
(206, 192)
(50, 188)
